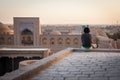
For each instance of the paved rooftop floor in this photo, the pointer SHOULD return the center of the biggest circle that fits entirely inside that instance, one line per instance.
(84, 66)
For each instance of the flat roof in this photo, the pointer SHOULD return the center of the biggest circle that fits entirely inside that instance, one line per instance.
(23, 49)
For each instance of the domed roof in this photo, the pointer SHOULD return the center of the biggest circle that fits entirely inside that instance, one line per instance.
(55, 33)
(101, 32)
(4, 28)
(102, 38)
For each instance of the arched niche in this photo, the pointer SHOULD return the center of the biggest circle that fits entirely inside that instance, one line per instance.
(75, 41)
(52, 41)
(9, 40)
(44, 41)
(68, 41)
(60, 41)
(27, 37)
(2, 40)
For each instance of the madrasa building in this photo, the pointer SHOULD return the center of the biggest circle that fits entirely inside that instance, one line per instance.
(27, 34)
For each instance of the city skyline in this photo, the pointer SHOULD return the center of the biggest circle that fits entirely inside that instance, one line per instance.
(62, 11)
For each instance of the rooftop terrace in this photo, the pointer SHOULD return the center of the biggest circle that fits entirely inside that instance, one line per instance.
(72, 64)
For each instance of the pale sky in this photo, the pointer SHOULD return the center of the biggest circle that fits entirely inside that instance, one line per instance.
(62, 11)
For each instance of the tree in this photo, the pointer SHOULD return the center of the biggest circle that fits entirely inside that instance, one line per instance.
(114, 36)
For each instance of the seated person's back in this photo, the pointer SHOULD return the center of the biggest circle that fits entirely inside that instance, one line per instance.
(86, 39)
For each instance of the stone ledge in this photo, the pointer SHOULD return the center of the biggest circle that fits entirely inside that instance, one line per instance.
(27, 62)
(32, 69)
(96, 50)
(26, 52)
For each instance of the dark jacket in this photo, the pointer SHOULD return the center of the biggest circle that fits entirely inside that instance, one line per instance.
(86, 40)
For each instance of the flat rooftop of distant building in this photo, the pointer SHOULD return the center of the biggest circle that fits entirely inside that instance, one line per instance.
(26, 52)
(23, 49)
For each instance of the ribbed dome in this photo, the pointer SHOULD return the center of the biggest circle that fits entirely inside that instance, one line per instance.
(4, 28)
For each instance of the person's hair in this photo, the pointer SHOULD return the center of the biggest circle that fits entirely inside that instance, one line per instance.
(86, 30)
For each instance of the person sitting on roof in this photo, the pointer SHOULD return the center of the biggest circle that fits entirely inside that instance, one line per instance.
(86, 39)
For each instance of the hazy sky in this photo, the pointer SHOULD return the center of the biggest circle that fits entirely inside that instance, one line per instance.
(62, 11)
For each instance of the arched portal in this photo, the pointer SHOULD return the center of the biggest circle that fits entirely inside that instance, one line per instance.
(27, 37)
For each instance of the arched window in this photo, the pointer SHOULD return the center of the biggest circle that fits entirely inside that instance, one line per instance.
(67, 41)
(52, 41)
(2, 40)
(75, 41)
(60, 41)
(44, 41)
(9, 40)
